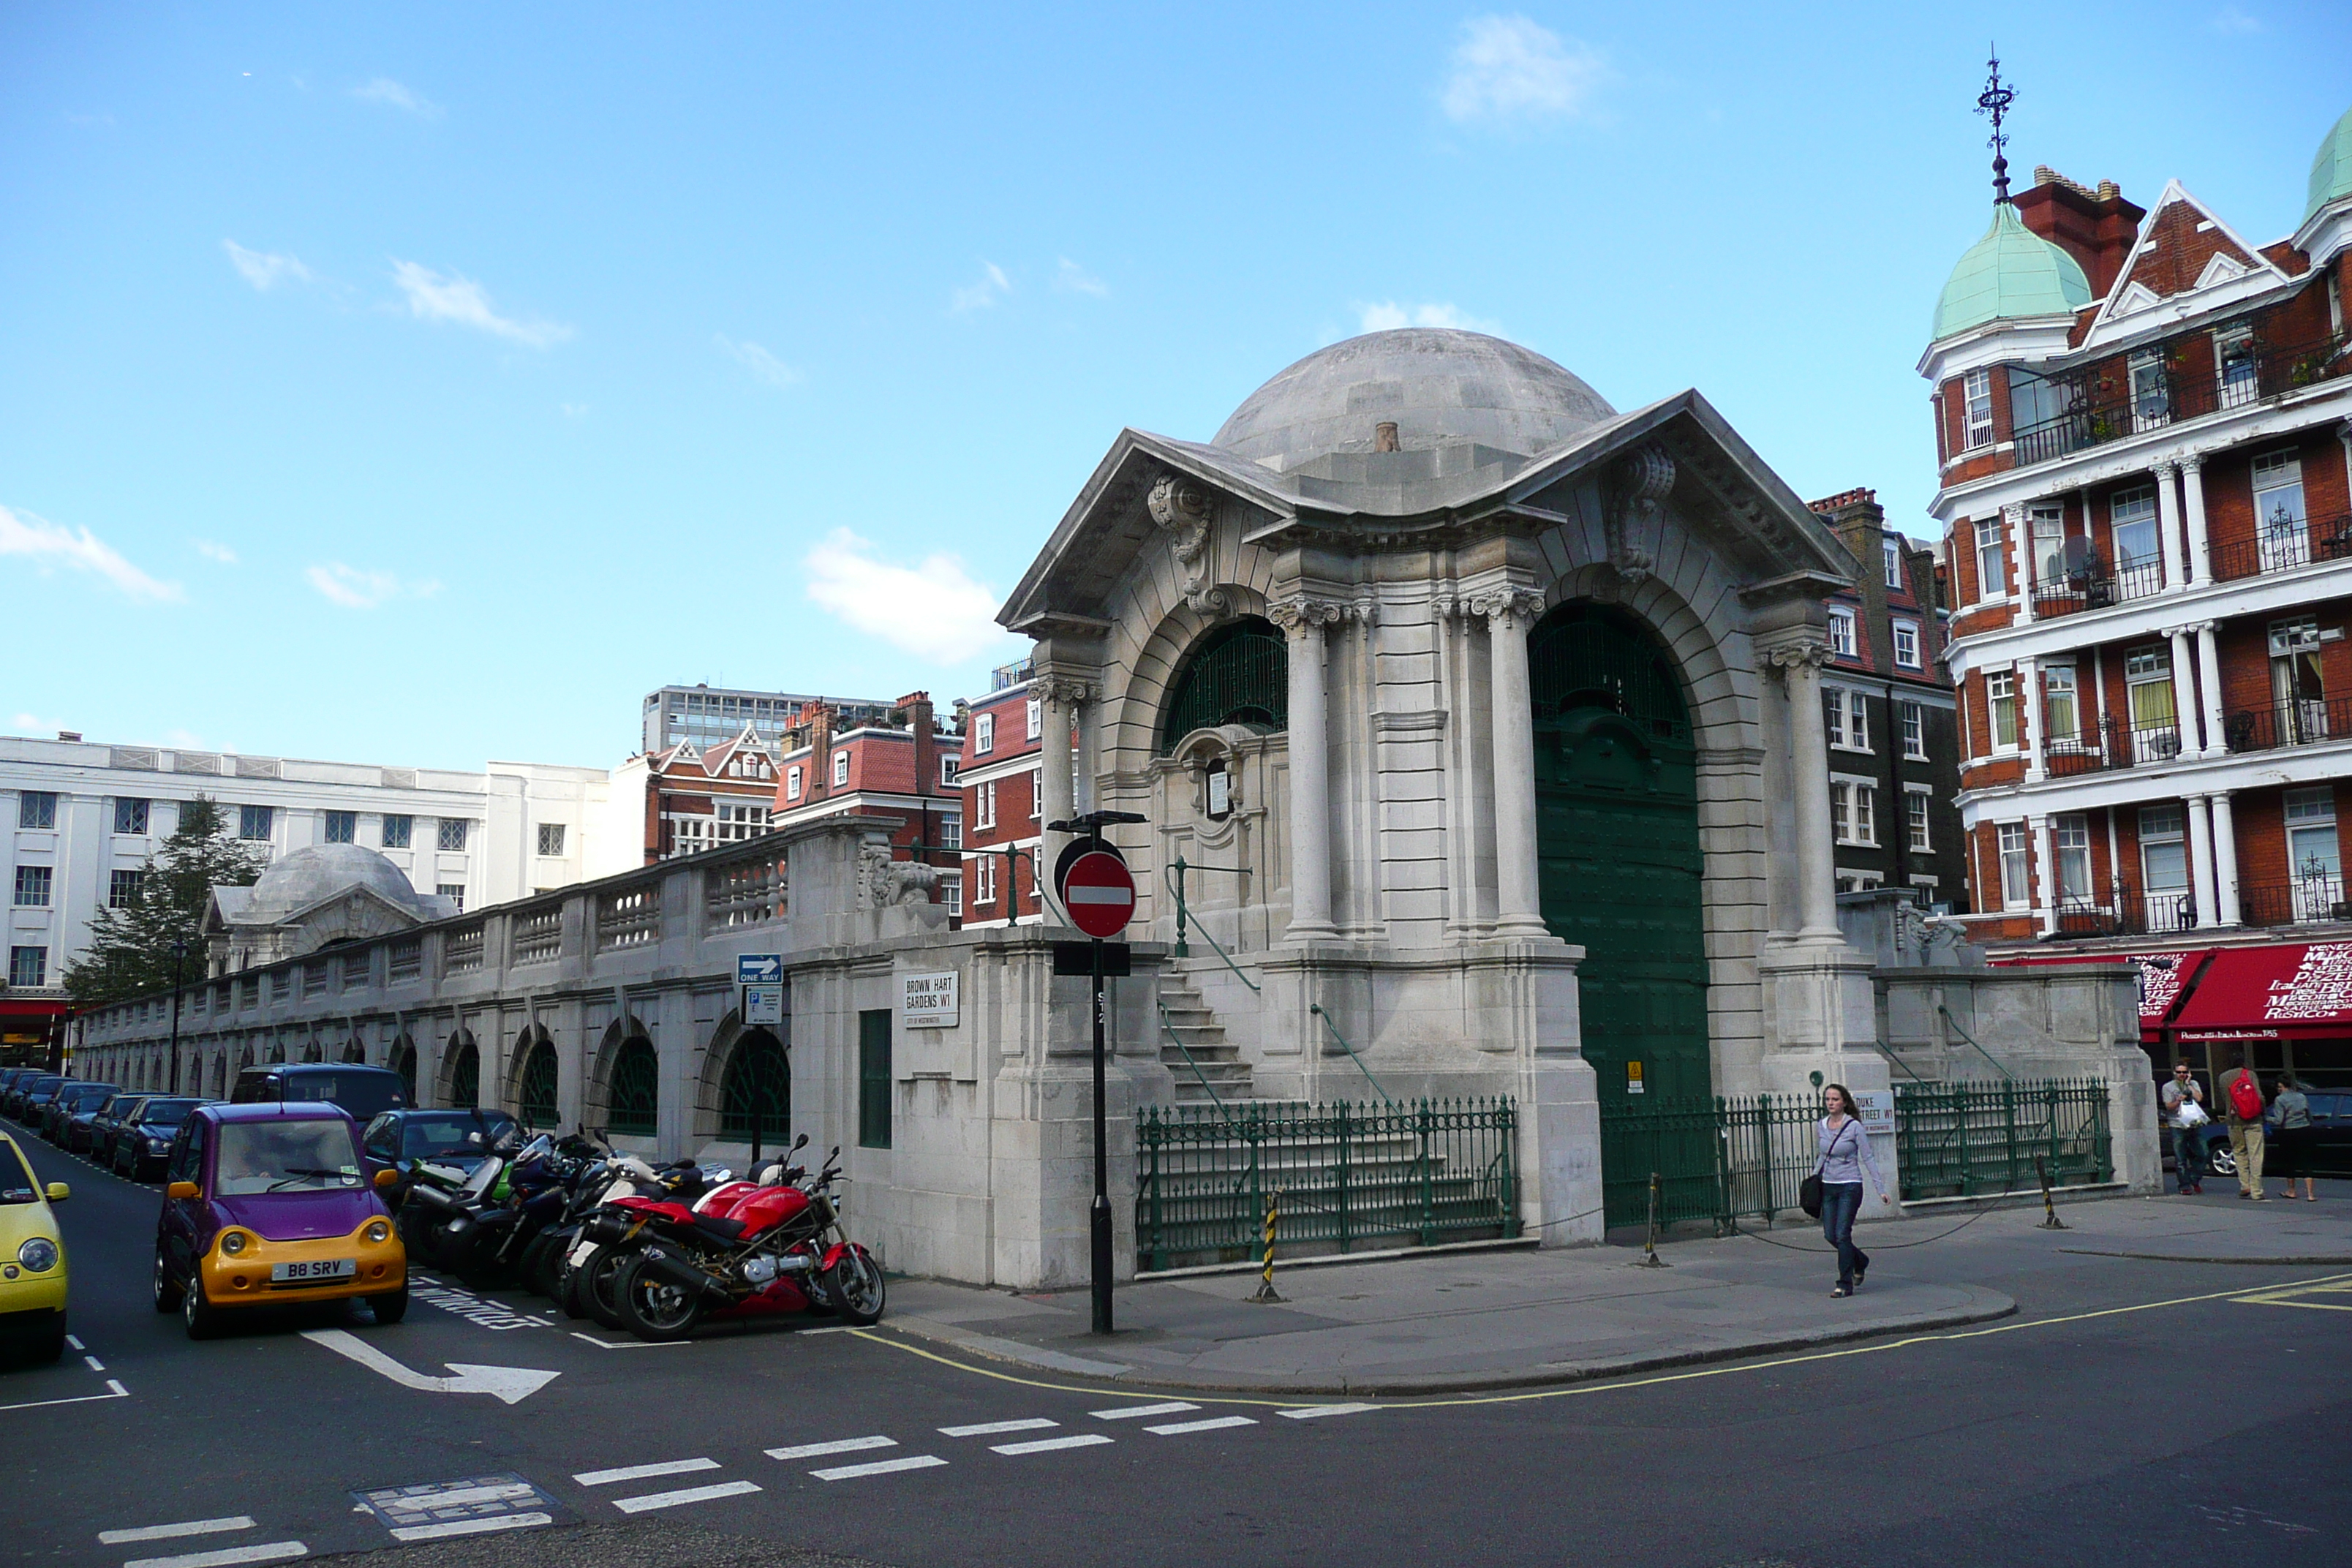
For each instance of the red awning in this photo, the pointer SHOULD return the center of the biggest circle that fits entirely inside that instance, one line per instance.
(2289, 990)
(2160, 988)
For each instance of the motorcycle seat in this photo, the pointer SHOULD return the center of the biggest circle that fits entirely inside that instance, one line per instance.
(718, 1226)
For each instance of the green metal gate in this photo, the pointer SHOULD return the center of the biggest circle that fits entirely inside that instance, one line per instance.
(1957, 1140)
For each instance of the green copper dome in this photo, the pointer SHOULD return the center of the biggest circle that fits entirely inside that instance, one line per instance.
(2011, 271)
(2331, 167)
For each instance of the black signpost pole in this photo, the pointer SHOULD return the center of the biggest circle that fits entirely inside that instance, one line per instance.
(1102, 1259)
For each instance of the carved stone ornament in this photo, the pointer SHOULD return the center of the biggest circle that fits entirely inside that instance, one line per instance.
(1187, 509)
(1799, 655)
(1067, 691)
(1496, 605)
(1638, 489)
(1300, 616)
(884, 881)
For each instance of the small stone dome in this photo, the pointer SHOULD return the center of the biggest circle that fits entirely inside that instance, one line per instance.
(322, 871)
(1439, 386)
(2331, 168)
(2010, 272)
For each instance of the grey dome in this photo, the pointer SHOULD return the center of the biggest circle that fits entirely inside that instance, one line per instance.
(1442, 387)
(306, 875)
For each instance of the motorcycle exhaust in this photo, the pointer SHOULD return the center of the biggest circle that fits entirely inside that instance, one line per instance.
(679, 1272)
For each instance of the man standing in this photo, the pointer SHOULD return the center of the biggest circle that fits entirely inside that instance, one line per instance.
(2184, 1101)
(2241, 1102)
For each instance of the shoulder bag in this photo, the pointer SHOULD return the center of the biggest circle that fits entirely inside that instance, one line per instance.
(1808, 1191)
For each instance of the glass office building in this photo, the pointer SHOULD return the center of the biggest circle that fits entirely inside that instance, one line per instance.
(708, 715)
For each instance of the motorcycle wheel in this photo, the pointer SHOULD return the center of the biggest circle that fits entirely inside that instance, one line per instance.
(656, 1309)
(852, 1287)
(541, 1269)
(597, 1286)
(418, 1235)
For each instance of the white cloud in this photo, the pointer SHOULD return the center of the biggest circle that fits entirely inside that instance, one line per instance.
(34, 724)
(211, 551)
(1509, 67)
(993, 285)
(2233, 20)
(434, 297)
(573, 410)
(354, 589)
(757, 360)
(1070, 278)
(386, 91)
(1388, 315)
(51, 546)
(933, 610)
(264, 270)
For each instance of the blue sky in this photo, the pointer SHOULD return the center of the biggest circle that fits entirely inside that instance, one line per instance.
(425, 385)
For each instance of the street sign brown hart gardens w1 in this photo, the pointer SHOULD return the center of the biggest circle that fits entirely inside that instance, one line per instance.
(1099, 893)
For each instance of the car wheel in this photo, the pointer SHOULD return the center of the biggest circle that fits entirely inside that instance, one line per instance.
(51, 1347)
(2222, 1160)
(202, 1318)
(651, 1306)
(391, 1307)
(167, 1294)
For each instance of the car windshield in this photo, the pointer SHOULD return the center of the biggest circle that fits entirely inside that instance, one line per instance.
(433, 1137)
(15, 1182)
(363, 1093)
(284, 1157)
(87, 1096)
(166, 1113)
(41, 1086)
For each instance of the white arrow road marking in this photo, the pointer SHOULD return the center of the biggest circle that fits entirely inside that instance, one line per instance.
(691, 1494)
(639, 1472)
(990, 1428)
(1213, 1423)
(1309, 1412)
(166, 1531)
(1129, 1412)
(510, 1384)
(841, 1446)
(1047, 1445)
(878, 1468)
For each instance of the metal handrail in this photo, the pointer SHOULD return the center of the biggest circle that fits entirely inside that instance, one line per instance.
(1169, 1029)
(1317, 1008)
(1176, 890)
(1988, 1056)
(1883, 1049)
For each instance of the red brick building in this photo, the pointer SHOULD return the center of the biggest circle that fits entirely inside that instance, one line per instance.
(696, 799)
(2143, 422)
(1001, 740)
(903, 767)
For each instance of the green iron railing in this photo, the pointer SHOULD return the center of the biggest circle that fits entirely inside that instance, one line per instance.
(1959, 1140)
(1348, 1174)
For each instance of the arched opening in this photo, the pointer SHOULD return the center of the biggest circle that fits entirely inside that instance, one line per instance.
(220, 1077)
(403, 1062)
(462, 1077)
(354, 1052)
(1238, 673)
(313, 1052)
(756, 1090)
(535, 1086)
(1617, 794)
(277, 1053)
(633, 1090)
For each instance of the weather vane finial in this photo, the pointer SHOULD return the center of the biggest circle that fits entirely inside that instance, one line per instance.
(1995, 101)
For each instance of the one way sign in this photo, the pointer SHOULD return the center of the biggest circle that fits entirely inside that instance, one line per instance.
(759, 968)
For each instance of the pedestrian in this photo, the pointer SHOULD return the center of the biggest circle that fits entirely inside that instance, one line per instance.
(1844, 1155)
(2291, 1138)
(2184, 1112)
(2241, 1104)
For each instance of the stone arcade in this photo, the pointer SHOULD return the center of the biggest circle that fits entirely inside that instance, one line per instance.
(1487, 723)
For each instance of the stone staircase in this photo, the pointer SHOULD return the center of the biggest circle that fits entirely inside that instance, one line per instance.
(1187, 1017)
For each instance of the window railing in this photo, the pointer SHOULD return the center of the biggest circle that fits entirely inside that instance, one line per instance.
(2300, 900)
(2125, 911)
(2112, 402)
(2304, 722)
(2098, 585)
(2110, 746)
(2283, 548)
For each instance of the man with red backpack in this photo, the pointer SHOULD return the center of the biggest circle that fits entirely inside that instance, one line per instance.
(2241, 1102)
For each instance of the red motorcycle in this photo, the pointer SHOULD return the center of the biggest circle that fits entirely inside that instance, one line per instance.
(746, 1249)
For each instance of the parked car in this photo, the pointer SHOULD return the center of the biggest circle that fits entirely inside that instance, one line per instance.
(459, 1139)
(264, 1204)
(83, 1126)
(362, 1092)
(32, 1258)
(143, 1141)
(11, 1076)
(24, 1100)
(74, 1096)
(107, 1119)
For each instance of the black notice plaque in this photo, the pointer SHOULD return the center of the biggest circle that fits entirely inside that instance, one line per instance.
(1078, 958)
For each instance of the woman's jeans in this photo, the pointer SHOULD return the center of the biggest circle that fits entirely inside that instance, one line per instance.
(1841, 1201)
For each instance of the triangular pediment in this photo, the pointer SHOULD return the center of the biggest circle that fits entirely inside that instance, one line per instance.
(2186, 257)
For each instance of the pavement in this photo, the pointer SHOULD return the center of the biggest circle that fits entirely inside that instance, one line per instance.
(1469, 1319)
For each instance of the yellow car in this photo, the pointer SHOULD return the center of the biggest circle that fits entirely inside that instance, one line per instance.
(32, 1259)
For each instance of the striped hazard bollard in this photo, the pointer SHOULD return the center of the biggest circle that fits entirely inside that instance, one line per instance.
(1265, 1296)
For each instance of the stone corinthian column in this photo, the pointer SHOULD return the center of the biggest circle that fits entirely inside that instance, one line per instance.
(1058, 699)
(1799, 665)
(1303, 621)
(1518, 897)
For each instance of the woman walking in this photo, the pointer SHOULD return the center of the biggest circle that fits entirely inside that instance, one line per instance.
(2291, 1145)
(1844, 1156)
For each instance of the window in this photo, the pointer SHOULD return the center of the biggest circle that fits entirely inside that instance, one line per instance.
(1915, 820)
(840, 768)
(1857, 881)
(2048, 527)
(1978, 388)
(36, 808)
(948, 768)
(253, 822)
(2000, 706)
(874, 1078)
(1853, 811)
(1841, 639)
(1037, 796)
(2296, 696)
(397, 830)
(950, 832)
(550, 837)
(2164, 861)
(1992, 560)
(733, 824)
(1036, 717)
(122, 888)
(2151, 390)
(2311, 852)
(29, 967)
(451, 834)
(33, 887)
(2131, 515)
(2147, 681)
(1894, 564)
(2279, 510)
(1906, 644)
(983, 734)
(1856, 727)
(1915, 731)
(984, 881)
(983, 805)
(2071, 835)
(455, 892)
(2015, 893)
(2062, 721)
(130, 817)
(792, 783)
(2233, 362)
(343, 827)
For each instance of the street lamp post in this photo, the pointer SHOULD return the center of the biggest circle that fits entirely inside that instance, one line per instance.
(179, 952)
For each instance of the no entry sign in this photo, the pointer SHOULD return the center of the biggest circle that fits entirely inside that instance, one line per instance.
(1099, 894)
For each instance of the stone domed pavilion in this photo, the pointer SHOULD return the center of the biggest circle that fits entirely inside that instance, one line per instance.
(311, 899)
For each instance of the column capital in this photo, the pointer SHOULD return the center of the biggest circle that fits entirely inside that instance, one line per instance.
(1069, 690)
(2013, 512)
(2165, 467)
(2190, 462)
(1508, 604)
(1304, 615)
(1796, 653)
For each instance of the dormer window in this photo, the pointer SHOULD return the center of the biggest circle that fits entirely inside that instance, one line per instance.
(1842, 635)
(983, 734)
(840, 768)
(1893, 565)
(2234, 360)
(791, 783)
(1977, 387)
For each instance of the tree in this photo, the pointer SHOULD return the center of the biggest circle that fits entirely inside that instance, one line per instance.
(130, 950)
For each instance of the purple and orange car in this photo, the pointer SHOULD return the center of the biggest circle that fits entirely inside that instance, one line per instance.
(270, 1205)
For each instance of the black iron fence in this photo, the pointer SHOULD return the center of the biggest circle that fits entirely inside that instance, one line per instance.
(2300, 723)
(2280, 548)
(2112, 401)
(2113, 742)
(2300, 901)
(1963, 1139)
(2096, 585)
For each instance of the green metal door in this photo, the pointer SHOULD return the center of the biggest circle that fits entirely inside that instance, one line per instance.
(1617, 794)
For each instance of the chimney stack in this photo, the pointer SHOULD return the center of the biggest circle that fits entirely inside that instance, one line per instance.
(1384, 435)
